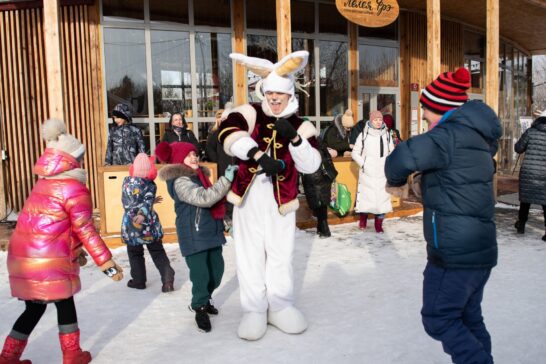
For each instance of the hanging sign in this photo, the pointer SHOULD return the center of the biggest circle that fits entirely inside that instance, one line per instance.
(369, 13)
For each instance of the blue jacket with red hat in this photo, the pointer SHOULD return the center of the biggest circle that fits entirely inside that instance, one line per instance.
(457, 185)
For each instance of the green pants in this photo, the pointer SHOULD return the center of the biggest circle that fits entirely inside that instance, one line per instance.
(206, 271)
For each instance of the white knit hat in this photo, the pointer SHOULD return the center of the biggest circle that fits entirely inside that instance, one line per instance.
(56, 137)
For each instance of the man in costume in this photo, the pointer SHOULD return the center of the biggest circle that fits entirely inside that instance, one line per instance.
(272, 145)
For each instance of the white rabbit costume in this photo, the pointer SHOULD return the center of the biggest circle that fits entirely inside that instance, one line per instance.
(264, 219)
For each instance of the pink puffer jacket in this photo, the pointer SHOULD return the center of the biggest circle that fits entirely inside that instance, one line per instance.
(55, 221)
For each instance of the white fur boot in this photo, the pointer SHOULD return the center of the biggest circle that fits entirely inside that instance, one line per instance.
(290, 320)
(253, 326)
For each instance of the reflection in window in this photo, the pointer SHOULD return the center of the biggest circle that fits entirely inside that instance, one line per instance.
(333, 77)
(302, 16)
(260, 46)
(307, 76)
(175, 11)
(214, 75)
(125, 69)
(125, 10)
(378, 65)
(261, 14)
(219, 17)
(171, 72)
(474, 50)
(331, 20)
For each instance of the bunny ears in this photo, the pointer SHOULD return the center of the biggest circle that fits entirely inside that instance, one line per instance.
(288, 66)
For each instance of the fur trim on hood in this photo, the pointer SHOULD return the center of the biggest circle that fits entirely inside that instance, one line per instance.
(173, 171)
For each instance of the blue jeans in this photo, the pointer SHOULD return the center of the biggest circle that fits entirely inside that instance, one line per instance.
(452, 312)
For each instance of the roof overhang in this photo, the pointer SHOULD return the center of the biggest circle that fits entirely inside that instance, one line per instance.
(521, 21)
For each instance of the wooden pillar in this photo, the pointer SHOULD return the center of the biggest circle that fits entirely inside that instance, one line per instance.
(284, 30)
(3, 210)
(239, 46)
(492, 56)
(353, 69)
(53, 59)
(433, 39)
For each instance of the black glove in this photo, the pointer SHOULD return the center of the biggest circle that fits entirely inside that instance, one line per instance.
(269, 165)
(285, 129)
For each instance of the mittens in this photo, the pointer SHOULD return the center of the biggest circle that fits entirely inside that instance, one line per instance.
(82, 260)
(270, 166)
(285, 129)
(112, 270)
(230, 172)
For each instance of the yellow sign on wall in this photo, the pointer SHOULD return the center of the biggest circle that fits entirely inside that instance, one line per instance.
(369, 13)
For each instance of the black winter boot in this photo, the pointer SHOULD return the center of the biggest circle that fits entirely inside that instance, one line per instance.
(520, 227)
(202, 319)
(322, 222)
(211, 310)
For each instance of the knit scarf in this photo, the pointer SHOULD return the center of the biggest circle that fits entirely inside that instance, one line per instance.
(218, 210)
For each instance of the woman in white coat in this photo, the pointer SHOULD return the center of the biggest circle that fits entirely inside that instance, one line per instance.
(371, 149)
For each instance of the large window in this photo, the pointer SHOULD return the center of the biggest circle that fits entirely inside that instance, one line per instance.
(378, 65)
(474, 59)
(333, 77)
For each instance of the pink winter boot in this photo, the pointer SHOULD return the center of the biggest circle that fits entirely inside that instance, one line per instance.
(363, 221)
(379, 225)
(12, 351)
(72, 353)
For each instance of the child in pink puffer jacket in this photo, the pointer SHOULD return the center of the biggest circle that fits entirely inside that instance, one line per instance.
(43, 252)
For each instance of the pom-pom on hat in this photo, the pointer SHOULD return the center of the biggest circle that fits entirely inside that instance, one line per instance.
(123, 111)
(174, 153)
(143, 167)
(446, 92)
(56, 137)
(347, 119)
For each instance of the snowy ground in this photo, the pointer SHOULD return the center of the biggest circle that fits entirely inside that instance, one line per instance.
(361, 293)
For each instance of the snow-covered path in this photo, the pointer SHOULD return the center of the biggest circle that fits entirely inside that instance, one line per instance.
(361, 293)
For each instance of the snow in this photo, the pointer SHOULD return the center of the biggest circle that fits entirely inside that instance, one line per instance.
(360, 291)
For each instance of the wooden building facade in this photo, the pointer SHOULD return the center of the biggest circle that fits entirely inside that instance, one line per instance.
(169, 56)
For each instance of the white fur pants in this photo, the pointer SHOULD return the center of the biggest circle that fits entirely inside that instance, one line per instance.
(264, 245)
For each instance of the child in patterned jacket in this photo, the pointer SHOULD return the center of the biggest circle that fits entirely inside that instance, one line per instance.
(140, 225)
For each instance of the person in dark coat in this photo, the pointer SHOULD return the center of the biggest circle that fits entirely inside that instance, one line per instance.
(336, 136)
(178, 131)
(532, 175)
(456, 161)
(125, 140)
(216, 153)
(200, 211)
(317, 188)
(140, 225)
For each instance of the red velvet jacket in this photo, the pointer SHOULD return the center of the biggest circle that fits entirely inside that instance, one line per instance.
(240, 123)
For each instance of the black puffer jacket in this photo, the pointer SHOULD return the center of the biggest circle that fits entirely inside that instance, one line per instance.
(532, 175)
(186, 136)
(457, 185)
(124, 143)
(317, 185)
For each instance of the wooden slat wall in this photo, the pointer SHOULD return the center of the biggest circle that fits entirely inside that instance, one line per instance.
(23, 92)
(413, 56)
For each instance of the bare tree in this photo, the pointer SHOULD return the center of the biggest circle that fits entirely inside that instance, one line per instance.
(539, 83)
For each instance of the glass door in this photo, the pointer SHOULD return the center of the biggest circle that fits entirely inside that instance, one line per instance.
(384, 99)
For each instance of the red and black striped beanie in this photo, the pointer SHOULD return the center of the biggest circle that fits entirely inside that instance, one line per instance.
(446, 92)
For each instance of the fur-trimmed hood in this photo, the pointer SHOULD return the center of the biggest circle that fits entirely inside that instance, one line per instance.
(173, 171)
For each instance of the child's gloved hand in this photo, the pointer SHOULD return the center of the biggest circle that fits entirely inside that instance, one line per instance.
(230, 172)
(112, 270)
(82, 260)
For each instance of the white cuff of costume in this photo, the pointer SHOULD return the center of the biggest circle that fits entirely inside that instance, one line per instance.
(241, 147)
(306, 158)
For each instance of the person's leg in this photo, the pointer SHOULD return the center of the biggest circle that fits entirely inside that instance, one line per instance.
(199, 276)
(523, 215)
(323, 229)
(69, 333)
(473, 319)
(544, 215)
(215, 262)
(138, 266)
(446, 292)
(16, 341)
(163, 265)
(379, 223)
(363, 222)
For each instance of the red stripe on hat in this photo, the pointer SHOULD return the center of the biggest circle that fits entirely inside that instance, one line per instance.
(459, 97)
